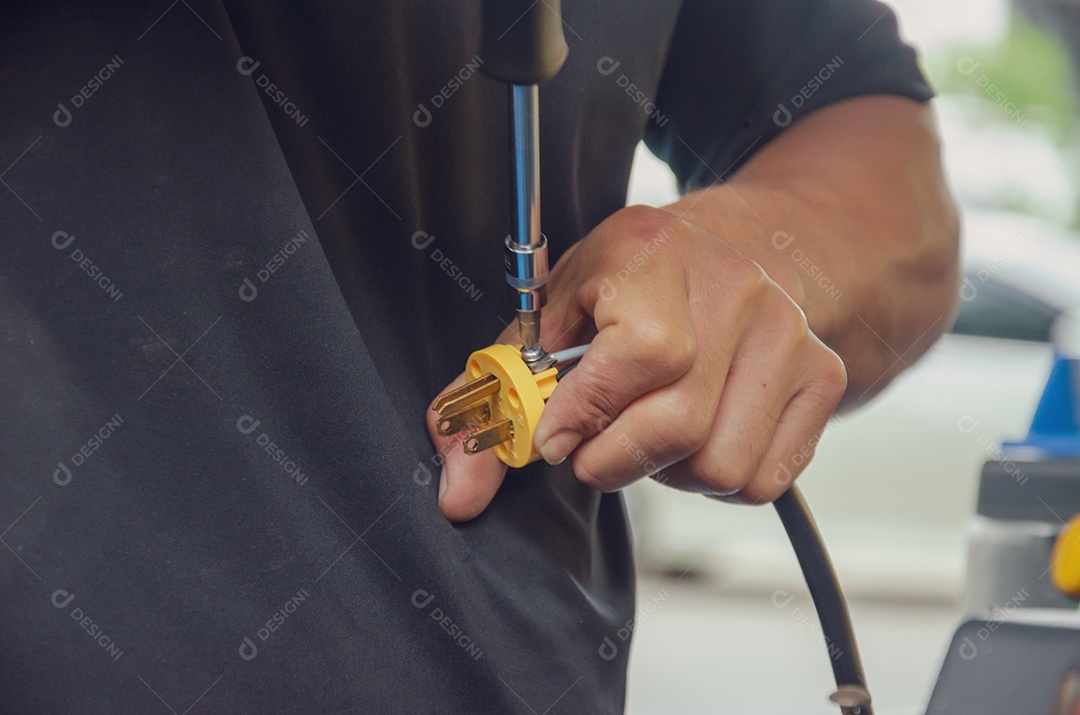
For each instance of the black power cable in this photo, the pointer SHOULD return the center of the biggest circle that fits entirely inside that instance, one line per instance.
(852, 694)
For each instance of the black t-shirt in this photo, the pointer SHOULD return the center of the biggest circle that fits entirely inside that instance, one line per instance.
(245, 243)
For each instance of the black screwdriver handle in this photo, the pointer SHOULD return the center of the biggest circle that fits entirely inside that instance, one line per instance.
(523, 41)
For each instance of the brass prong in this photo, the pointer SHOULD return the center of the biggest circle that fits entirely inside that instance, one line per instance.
(466, 395)
(489, 436)
(469, 417)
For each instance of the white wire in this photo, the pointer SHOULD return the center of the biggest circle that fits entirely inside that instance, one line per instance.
(570, 353)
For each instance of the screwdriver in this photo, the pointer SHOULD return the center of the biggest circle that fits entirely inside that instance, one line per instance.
(524, 46)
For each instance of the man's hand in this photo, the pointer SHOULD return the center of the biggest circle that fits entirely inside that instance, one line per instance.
(701, 368)
(705, 365)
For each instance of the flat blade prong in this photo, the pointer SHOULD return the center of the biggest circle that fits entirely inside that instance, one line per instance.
(466, 395)
(489, 436)
(462, 419)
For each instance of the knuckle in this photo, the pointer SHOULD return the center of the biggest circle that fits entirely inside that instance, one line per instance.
(660, 347)
(724, 479)
(761, 491)
(679, 431)
(834, 376)
(730, 467)
(633, 227)
(795, 322)
(789, 317)
(645, 231)
(729, 464)
(746, 277)
(595, 403)
(590, 477)
(828, 382)
(644, 220)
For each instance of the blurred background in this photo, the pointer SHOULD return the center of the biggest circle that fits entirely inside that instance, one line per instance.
(893, 485)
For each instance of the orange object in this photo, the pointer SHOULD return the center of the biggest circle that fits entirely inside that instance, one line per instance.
(1065, 559)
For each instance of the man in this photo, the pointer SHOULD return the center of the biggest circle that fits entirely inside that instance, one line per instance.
(249, 244)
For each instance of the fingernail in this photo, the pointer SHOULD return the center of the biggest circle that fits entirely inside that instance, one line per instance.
(558, 447)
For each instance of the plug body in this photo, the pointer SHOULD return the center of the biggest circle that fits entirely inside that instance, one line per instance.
(500, 404)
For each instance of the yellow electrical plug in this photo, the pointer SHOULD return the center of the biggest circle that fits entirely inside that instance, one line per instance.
(503, 399)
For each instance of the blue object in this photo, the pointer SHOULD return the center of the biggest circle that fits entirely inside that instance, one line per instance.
(1055, 429)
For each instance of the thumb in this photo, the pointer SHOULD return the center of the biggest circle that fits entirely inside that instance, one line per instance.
(469, 481)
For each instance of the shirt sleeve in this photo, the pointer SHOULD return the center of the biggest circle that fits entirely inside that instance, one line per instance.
(739, 72)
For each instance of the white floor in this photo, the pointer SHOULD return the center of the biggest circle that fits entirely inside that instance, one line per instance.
(700, 649)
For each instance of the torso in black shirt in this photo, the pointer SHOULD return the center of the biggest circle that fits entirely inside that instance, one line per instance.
(244, 246)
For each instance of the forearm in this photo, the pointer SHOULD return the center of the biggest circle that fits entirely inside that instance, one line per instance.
(849, 213)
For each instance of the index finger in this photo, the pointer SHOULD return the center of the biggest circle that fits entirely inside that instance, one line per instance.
(644, 341)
